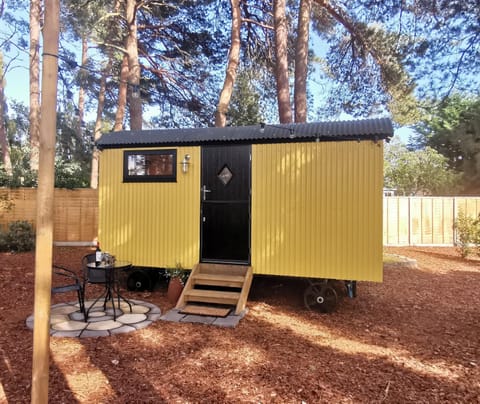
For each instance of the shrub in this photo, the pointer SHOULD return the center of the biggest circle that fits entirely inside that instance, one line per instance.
(177, 272)
(19, 237)
(467, 234)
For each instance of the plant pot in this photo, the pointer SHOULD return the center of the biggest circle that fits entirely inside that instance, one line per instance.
(175, 288)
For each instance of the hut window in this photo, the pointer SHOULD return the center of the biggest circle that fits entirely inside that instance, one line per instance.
(150, 166)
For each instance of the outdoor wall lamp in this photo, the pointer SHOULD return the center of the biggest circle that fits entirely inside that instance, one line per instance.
(185, 163)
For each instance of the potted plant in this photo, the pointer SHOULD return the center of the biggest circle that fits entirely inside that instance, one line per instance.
(177, 277)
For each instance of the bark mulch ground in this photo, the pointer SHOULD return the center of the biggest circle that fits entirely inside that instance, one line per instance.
(412, 338)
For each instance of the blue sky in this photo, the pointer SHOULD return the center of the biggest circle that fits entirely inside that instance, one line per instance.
(17, 82)
(17, 78)
(17, 87)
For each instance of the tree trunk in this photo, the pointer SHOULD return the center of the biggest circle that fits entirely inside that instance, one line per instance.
(81, 91)
(232, 65)
(281, 55)
(7, 163)
(45, 215)
(34, 115)
(101, 104)
(134, 99)
(122, 95)
(98, 122)
(301, 61)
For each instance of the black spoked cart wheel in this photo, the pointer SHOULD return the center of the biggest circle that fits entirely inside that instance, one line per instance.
(139, 281)
(320, 296)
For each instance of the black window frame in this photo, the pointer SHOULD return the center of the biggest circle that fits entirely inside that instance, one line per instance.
(150, 178)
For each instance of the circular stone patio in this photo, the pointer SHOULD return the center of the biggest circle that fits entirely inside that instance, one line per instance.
(66, 320)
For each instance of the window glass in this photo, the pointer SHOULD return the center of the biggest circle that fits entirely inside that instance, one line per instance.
(150, 166)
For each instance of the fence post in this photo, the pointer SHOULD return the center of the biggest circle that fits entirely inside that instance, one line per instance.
(409, 221)
(454, 230)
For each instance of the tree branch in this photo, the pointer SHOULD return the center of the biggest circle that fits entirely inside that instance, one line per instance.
(260, 24)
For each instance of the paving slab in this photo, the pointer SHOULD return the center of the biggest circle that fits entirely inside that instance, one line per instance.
(173, 315)
(230, 321)
(66, 320)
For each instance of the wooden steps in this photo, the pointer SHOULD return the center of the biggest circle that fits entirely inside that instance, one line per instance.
(220, 280)
(212, 296)
(216, 284)
(206, 310)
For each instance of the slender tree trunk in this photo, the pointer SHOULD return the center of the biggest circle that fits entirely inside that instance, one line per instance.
(232, 66)
(98, 123)
(34, 115)
(122, 100)
(4, 146)
(122, 95)
(281, 55)
(81, 91)
(301, 61)
(134, 99)
(45, 215)
(7, 163)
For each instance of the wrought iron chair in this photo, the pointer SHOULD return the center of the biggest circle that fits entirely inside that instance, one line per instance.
(72, 284)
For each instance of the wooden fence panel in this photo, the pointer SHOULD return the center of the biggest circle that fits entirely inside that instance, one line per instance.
(396, 221)
(469, 206)
(76, 212)
(443, 224)
(406, 220)
(428, 221)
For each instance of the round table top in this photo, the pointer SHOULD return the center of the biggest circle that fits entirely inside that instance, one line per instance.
(116, 265)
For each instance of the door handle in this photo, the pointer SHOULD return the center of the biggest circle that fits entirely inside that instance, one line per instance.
(204, 192)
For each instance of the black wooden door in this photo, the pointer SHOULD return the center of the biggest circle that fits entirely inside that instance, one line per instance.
(225, 196)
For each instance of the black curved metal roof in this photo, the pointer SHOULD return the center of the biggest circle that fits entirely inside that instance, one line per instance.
(364, 129)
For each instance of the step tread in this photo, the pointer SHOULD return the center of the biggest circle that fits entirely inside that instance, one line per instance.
(238, 278)
(235, 270)
(205, 310)
(216, 293)
(219, 280)
(211, 296)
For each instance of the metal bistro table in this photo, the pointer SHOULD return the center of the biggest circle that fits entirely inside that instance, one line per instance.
(112, 285)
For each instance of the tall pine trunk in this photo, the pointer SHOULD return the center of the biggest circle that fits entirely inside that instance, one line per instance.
(301, 61)
(101, 104)
(281, 56)
(34, 114)
(134, 99)
(232, 66)
(81, 91)
(4, 146)
(99, 122)
(122, 95)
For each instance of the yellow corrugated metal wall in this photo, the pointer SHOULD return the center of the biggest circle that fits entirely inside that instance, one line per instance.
(150, 224)
(317, 209)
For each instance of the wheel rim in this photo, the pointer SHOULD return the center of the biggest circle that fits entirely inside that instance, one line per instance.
(138, 281)
(320, 297)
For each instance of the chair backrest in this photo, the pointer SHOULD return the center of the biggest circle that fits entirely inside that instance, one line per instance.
(87, 259)
(92, 275)
(70, 281)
